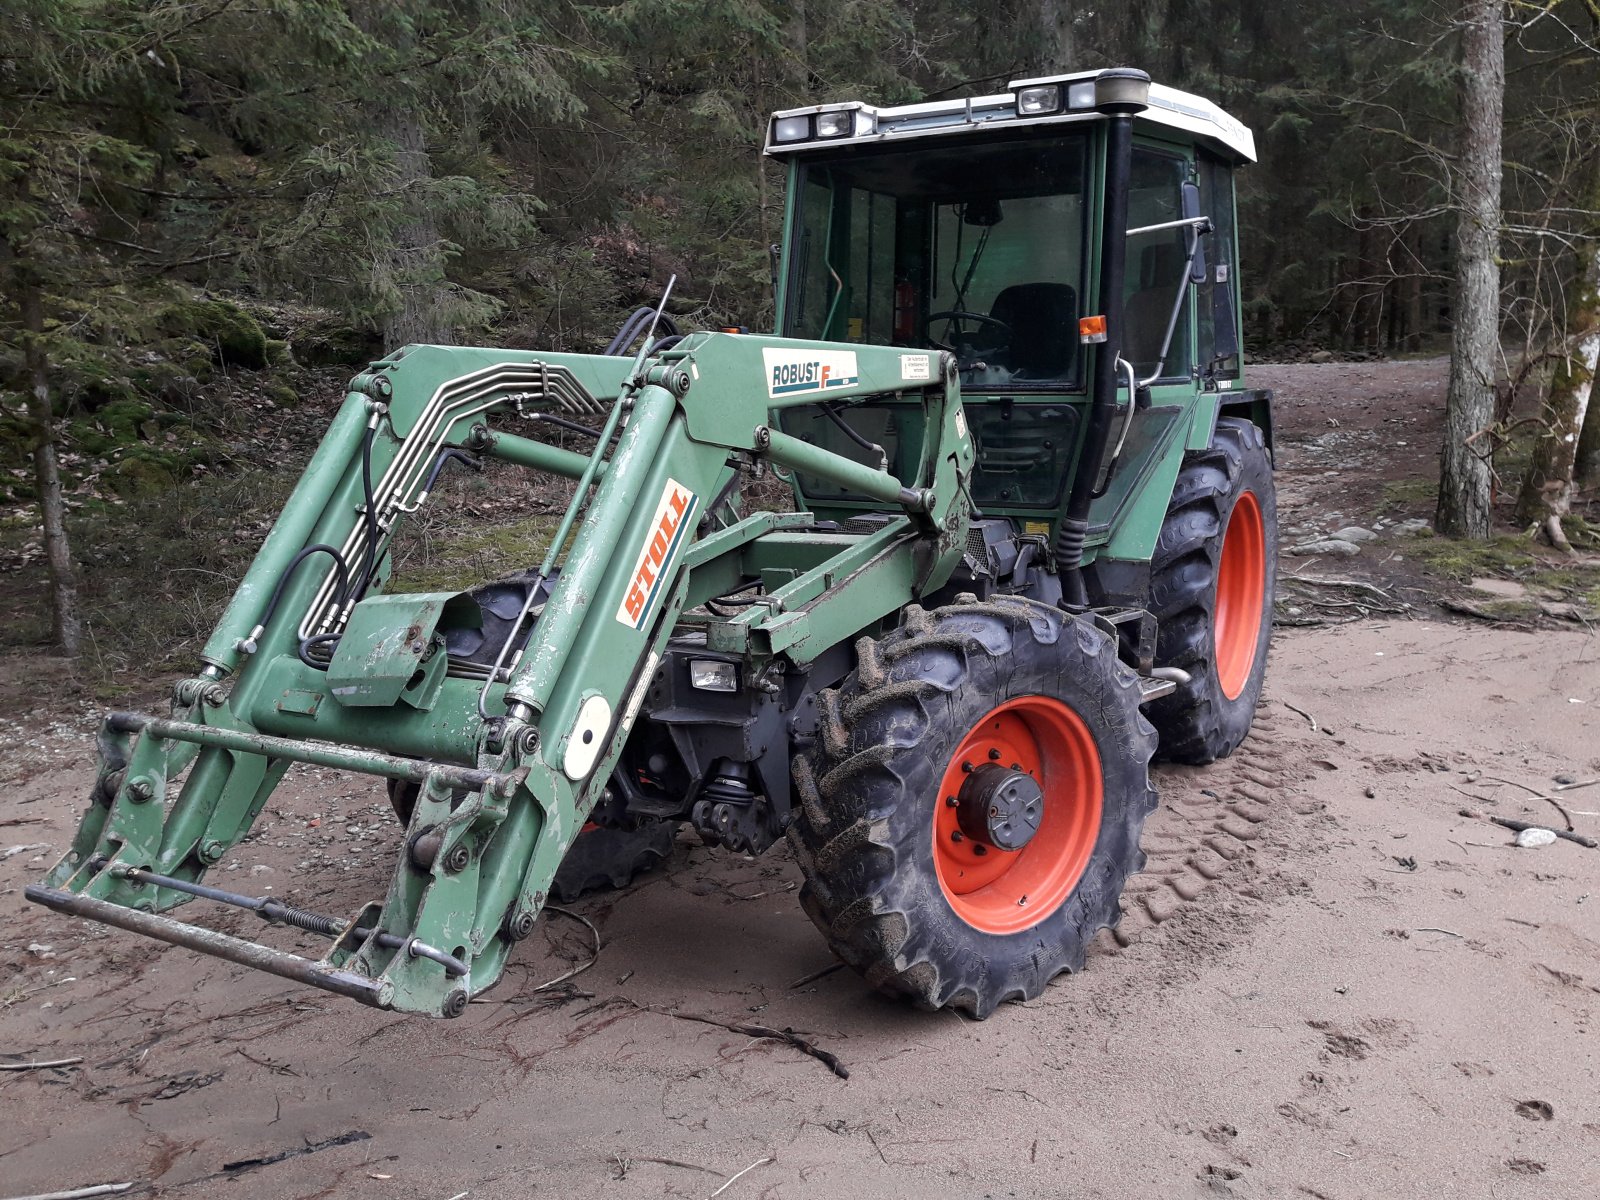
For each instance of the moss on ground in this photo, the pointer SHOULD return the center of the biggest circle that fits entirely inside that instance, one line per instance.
(1463, 560)
(1401, 494)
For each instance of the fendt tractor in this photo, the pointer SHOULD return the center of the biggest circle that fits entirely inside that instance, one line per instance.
(1031, 546)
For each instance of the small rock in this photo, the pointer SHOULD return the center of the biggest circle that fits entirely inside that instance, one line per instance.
(1413, 526)
(262, 869)
(1566, 779)
(1322, 356)
(1334, 546)
(1354, 533)
(1532, 839)
(41, 950)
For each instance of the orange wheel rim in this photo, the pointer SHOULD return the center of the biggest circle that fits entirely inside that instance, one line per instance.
(1006, 891)
(1241, 592)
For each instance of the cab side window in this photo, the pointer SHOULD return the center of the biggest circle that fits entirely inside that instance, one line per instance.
(1157, 265)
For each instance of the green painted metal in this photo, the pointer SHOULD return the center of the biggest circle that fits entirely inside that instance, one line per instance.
(509, 768)
(389, 649)
(387, 704)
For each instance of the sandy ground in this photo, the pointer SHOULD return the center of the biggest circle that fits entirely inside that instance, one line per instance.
(1328, 984)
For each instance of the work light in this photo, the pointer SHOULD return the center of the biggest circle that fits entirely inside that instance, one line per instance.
(711, 675)
(791, 129)
(1037, 101)
(835, 124)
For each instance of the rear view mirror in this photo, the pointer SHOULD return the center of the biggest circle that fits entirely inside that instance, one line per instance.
(1191, 211)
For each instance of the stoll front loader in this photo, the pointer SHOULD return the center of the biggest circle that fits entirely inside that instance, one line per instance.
(1032, 545)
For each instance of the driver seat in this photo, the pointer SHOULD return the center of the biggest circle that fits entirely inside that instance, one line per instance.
(1043, 318)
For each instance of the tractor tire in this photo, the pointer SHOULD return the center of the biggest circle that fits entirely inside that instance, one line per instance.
(1212, 583)
(928, 758)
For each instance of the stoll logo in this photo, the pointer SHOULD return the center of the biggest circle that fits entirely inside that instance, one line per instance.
(654, 565)
(790, 372)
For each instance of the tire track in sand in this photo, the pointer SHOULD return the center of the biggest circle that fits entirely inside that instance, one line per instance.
(1208, 822)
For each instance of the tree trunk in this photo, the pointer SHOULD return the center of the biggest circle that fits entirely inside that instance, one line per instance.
(1586, 470)
(408, 270)
(66, 624)
(414, 261)
(1547, 491)
(1464, 476)
(1057, 47)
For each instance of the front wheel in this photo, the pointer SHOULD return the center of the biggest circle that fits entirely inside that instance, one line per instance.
(973, 808)
(1212, 582)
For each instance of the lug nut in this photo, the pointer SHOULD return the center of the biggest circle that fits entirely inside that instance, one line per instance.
(950, 802)
(994, 756)
(979, 848)
(955, 835)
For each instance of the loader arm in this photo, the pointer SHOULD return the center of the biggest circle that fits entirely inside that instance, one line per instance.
(314, 662)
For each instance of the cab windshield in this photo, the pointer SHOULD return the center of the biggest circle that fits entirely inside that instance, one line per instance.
(974, 249)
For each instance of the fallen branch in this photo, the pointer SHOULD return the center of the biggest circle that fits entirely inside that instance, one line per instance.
(1359, 584)
(1519, 826)
(100, 1189)
(40, 1066)
(1567, 817)
(827, 1059)
(1567, 787)
(1436, 929)
(593, 958)
(816, 975)
(1302, 712)
(343, 1139)
(733, 1179)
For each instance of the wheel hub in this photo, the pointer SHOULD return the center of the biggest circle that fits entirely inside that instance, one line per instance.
(999, 806)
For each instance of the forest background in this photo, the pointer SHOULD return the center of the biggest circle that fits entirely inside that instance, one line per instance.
(210, 210)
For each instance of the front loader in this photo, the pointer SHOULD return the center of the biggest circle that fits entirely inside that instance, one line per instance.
(1032, 542)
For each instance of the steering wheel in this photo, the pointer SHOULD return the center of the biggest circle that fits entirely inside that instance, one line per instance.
(958, 316)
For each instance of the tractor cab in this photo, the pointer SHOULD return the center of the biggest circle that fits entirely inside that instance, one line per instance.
(979, 227)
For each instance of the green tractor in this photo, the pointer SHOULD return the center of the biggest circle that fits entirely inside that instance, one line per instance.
(1032, 546)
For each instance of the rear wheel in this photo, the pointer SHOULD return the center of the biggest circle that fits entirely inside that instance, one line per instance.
(973, 808)
(1212, 582)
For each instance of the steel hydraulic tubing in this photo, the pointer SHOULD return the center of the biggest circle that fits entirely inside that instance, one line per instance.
(208, 941)
(322, 754)
(272, 910)
(797, 455)
(300, 515)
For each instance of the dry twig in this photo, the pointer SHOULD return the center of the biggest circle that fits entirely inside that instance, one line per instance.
(733, 1179)
(40, 1066)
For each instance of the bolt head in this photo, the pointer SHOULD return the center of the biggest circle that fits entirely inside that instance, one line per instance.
(212, 851)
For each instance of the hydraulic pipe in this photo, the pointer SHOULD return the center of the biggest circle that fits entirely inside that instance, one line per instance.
(1074, 525)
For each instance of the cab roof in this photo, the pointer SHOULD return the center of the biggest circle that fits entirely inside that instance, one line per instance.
(1168, 108)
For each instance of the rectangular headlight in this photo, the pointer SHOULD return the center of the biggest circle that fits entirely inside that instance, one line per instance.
(709, 675)
(1037, 101)
(791, 129)
(835, 124)
(1081, 94)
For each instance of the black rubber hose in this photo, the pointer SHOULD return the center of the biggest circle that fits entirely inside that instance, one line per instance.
(630, 330)
(832, 414)
(308, 645)
(288, 572)
(370, 557)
